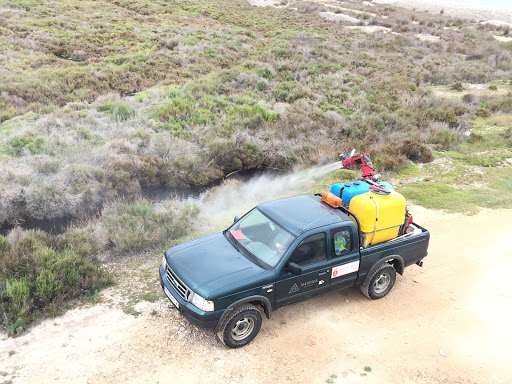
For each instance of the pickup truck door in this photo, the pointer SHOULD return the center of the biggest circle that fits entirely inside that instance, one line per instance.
(345, 257)
(311, 255)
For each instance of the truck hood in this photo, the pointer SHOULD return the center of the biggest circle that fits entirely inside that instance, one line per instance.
(210, 263)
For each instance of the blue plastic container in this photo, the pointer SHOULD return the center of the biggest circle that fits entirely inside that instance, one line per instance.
(386, 185)
(348, 190)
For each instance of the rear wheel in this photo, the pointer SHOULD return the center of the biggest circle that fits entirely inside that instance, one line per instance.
(380, 283)
(240, 327)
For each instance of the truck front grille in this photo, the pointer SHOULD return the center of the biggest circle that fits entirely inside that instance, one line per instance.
(181, 288)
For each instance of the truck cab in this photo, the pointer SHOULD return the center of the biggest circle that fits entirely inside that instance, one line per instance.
(279, 253)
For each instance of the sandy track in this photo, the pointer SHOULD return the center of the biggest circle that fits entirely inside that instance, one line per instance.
(459, 305)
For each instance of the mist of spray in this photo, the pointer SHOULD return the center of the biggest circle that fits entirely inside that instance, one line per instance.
(234, 197)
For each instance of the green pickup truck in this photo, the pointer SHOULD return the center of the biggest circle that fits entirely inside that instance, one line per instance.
(279, 253)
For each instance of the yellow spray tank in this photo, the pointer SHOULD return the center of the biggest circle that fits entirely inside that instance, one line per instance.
(381, 213)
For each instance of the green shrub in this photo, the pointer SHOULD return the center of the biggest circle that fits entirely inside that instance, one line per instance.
(118, 110)
(482, 112)
(251, 156)
(415, 151)
(84, 133)
(41, 272)
(262, 86)
(444, 115)
(289, 91)
(138, 226)
(265, 73)
(226, 156)
(35, 145)
(254, 110)
(81, 240)
(5, 248)
(493, 87)
(458, 86)
(445, 138)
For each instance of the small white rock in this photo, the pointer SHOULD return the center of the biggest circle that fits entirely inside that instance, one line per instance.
(442, 353)
(219, 363)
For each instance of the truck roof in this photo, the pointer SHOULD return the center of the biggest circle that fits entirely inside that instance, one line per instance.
(299, 214)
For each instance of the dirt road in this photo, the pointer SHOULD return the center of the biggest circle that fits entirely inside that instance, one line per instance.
(447, 322)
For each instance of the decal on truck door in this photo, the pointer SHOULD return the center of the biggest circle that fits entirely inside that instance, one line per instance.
(345, 269)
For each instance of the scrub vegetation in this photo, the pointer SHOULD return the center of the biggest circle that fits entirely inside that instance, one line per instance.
(477, 175)
(101, 100)
(40, 272)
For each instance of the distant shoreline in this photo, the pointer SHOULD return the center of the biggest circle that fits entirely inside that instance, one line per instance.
(467, 11)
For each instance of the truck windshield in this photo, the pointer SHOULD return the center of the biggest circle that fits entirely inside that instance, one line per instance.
(262, 237)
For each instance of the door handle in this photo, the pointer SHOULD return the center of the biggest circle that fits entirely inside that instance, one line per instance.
(321, 274)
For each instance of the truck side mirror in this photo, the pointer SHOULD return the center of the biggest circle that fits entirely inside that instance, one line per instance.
(236, 219)
(294, 268)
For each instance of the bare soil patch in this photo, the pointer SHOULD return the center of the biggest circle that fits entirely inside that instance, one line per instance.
(447, 322)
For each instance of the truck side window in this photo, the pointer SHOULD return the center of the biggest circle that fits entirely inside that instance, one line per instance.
(342, 242)
(310, 250)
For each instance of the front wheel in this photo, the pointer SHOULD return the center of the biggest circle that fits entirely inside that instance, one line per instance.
(381, 282)
(240, 327)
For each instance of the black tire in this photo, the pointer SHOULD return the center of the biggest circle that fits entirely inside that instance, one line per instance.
(380, 283)
(240, 327)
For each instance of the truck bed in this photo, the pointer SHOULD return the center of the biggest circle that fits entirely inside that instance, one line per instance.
(410, 249)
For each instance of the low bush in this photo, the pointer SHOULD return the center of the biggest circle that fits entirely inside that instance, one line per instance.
(139, 226)
(458, 86)
(446, 139)
(289, 91)
(225, 154)
(34, 145)
(118, 110)
(41, 272)
(415, 151)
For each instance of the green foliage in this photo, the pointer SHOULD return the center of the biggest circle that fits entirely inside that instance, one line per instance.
(251, 156)
(40, 272)
(81, 240)
(265, 73)
(458, 86)
(251, 111)
(443, 115)
(182, 112)
(138, 226)
(210, 52)
(192, 171)
(445, 138)
(289, 91)
(35, 145)
(225, 154)
(261, 86)
(493, 87)
(118, 110)
(84, 133)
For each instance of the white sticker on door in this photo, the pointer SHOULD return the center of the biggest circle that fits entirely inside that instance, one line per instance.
(345, 269)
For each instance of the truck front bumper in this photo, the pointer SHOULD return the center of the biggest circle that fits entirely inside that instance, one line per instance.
(197, 317)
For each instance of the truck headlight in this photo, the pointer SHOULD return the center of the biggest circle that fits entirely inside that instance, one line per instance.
(164, 262)
(201, 303)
